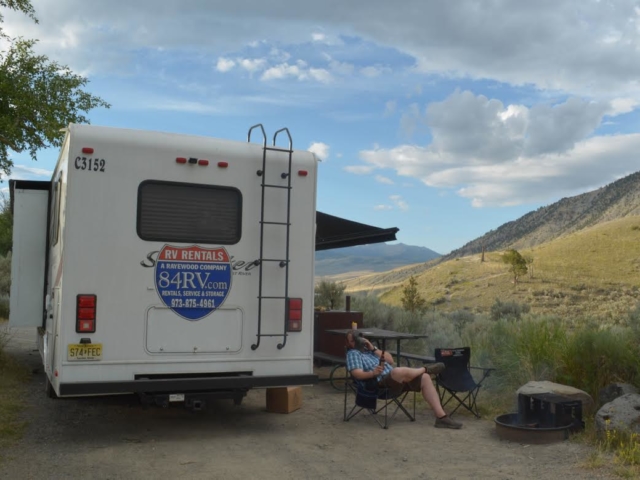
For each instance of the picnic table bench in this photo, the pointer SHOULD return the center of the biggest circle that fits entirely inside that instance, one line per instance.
(338, 373)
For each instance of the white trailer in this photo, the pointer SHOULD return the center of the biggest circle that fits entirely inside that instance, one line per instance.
(171, 266)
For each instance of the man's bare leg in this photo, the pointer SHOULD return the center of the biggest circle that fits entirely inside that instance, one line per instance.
(429, 393)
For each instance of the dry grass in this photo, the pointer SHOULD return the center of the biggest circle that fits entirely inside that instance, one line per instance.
(594, 272)
(12, 385)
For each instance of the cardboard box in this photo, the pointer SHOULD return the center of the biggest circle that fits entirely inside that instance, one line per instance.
(284, 400)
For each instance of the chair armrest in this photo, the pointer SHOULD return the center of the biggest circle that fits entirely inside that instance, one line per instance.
(485, 372)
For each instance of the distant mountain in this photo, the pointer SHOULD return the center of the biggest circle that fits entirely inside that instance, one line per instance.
(370, 258)
(616, 200)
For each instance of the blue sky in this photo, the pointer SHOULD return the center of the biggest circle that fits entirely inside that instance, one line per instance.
(444, 119)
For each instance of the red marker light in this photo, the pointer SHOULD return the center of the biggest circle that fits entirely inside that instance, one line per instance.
(181, 160)
(203, 163)
(87, 150)
(303, 173)
(223, 164)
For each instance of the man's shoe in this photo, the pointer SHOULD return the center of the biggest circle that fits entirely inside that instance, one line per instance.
(434, 368)
(447, 422)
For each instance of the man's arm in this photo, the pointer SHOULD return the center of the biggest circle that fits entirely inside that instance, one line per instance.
(360, 374)
(378, 353)
(356, 367)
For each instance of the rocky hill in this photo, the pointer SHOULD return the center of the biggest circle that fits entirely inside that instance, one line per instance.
(616, 200)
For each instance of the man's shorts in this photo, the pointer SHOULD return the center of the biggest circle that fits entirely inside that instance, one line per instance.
(396, 387)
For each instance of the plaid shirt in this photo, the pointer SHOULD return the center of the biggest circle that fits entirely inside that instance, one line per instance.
(365, 361)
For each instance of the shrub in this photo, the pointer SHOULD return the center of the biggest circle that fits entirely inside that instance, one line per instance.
(508, 310)
(595, 357)
(461, 318)
(4, 308)
(522, 351)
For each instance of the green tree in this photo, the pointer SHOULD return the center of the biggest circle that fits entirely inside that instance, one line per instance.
(38, 97)
(6, 225)
(412, 301)
(329, 295)
(529, 260)
(517, 264)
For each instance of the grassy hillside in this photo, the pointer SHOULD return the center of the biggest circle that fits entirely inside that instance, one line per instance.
(593, 272)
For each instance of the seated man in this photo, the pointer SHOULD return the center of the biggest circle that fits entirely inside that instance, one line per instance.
(363, 362)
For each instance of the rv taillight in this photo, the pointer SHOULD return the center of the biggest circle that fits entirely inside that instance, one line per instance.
(181, 160)
(223, 164)
(294, 314)
(303, 173)
(86, 314)
(87, 150)
(203, 163)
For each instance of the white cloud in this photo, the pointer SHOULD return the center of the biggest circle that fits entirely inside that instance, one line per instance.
(320, 74)
(573, 46)
(590, 164)
(399, 202)
(371, 71)
(298, 71)
(225, 64)
(23, 172)
(621, 106)
(281, 71)
(383, 207)
(359, 169)
(385, 180)
(252, 64)
(279, 55)
(341, 68)
(507, 155)
(320, 149)
(339, 155)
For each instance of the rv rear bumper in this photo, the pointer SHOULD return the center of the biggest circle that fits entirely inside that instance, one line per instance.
(183, 385)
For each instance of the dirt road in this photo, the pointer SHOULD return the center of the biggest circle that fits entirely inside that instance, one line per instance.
(115, 438)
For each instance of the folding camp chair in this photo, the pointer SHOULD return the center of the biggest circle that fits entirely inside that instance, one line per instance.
(367, 394)
(456, 378)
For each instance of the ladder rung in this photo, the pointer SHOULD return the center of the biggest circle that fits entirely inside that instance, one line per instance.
(276, 186)
(272, 298)
(275, 260)
(272, 335)
(278, 149)
(275, 223)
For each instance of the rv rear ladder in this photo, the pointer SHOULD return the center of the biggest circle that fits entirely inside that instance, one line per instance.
(282, 262)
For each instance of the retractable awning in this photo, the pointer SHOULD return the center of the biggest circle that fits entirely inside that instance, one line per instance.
(336, 232)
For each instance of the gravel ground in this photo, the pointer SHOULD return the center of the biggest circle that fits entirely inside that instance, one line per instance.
(116, 438)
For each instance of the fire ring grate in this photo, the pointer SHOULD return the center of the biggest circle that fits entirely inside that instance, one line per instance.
(509, 428)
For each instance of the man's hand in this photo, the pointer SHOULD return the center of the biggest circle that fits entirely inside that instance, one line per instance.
(378, 370)
(369, 345)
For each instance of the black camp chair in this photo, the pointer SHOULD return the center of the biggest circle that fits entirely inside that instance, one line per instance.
(456, 378)
(368, 394)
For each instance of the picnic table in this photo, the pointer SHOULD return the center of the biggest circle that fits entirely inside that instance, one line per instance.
(380, 336)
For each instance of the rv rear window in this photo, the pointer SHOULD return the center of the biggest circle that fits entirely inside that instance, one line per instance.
(189, 213)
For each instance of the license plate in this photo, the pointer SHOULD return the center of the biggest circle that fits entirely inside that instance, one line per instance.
(84, 351)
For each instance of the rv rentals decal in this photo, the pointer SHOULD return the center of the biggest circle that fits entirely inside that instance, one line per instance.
(193, 281)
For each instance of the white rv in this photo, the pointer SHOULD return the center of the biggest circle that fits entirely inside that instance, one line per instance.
(172, 266)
